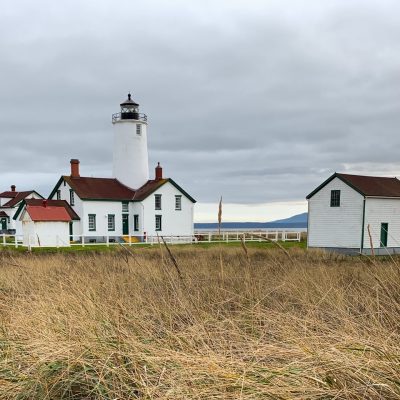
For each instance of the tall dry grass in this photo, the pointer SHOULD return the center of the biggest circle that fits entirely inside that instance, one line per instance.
(121, 326)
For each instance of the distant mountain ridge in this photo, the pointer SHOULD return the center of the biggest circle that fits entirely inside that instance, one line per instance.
(298, 221)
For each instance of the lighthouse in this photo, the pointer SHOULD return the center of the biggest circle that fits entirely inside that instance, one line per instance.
(130, 155)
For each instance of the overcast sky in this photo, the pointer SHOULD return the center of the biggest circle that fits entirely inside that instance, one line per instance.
(257, 101)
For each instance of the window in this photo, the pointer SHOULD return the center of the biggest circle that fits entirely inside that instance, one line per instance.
(136, 222)
(71, 197)
(138, 129)
(111, 222)
(158, 223)
(125, 206)
(58, 194)
(178, 202)
(384, 234)
(157, 201)
(335, 198)
(92, 222)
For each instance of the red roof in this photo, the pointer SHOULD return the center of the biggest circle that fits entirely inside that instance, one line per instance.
(54, 203)
(373, 186)
(3, 214)
(100, 188)
(18, 196)
(148, 188)
(49, 213)
(8, 194)
(112, 189)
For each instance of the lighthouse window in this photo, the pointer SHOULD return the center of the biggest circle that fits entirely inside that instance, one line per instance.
(178, 202)
(158, 222)
(157, 201)
(138, 129)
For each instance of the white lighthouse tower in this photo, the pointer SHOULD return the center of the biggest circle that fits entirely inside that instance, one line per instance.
(130, 157)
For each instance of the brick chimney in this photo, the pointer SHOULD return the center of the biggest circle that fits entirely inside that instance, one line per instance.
(158, 172)
(44, 203)
(75, 168)
(13, 188)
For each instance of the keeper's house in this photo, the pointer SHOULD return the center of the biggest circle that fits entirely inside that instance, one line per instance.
(347, 213)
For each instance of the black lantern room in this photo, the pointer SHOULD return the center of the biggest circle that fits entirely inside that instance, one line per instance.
(129, 109)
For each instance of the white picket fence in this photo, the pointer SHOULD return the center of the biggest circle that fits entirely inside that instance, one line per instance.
(247, 236)
(198, 237)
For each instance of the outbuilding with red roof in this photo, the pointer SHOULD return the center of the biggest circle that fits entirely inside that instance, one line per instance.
(46, 223)
(355, 214)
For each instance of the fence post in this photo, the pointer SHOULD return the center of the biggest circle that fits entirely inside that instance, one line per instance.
(83, 240)
(130, 239)
(276, 236)
(108, 241)
(4, 239)
(16, 241)
(57, 244)
(209, 236)
(284, 236)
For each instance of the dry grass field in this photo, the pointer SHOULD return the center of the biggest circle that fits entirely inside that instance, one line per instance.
(220, 324)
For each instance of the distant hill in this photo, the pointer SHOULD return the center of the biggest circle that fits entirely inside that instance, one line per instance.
(298, 221)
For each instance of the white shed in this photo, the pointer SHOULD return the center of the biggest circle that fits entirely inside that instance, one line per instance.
(45, 223)
(354, 213)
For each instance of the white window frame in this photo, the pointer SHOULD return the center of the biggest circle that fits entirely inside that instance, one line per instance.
(111, 222)
(125, 207)
(136, 222)
(158, 222)
(156, 205)
(92, 222)
(178, 202)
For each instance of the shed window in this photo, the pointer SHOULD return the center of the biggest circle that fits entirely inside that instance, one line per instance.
(158, 223)
(335, 198)
(111, 222)
(92, 222)
(157, 201)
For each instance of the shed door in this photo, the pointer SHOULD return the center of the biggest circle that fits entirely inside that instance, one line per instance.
(3, 223)
(384, 234)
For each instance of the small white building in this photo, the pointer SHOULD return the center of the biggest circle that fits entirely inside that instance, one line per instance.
(9, 202)
(348, 213)
(130, 204)
(46, 223)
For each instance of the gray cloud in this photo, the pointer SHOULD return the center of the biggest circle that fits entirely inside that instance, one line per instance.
(255, 101)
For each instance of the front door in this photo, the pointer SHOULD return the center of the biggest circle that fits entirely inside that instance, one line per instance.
(125, 224)
(384, 234)
(71, 232)
(3, 224)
